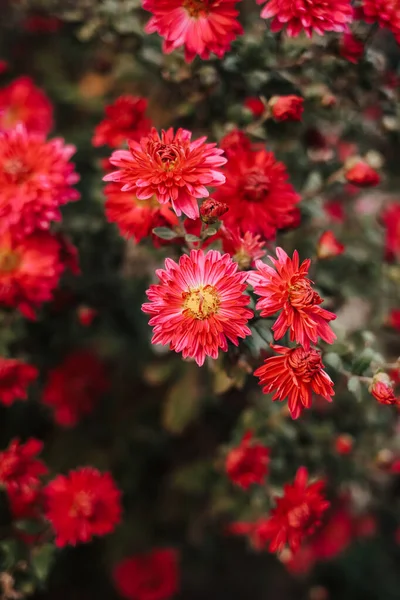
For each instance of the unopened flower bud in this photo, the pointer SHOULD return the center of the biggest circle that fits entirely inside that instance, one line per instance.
(212, 210)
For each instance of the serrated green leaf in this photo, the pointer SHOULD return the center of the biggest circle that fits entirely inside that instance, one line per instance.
(42, 561)
(165, 233)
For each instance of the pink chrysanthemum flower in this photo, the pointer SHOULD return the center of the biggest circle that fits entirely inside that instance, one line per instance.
(199, 305)
(295, 374)
(35, 180)
(171, 167)
(310, 16)
(201, 26)
(288, 289)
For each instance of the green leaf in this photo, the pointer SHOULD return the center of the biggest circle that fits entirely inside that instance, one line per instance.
(210, 231)
(362, 362)
(42, 561)
(192, 238)
(29, 526)
(183, 403)
(9, 550)
(333, 360)
(165, 233)
(354, 386)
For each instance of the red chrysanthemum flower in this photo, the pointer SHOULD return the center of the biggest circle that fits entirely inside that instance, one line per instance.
(170, 167)
(125, 120)
(247, 463)
(74, 387)
(199, 305)
(384, 12)
(201, 26)
(296, 516)
(234, 141)
(15, 377)
(391, 221)
(295, 375)
(259, 197)
(152, 576)
(211, 210)
(328, 246)
(310, 16)
(83, 504)
(136, 218)
(35, 180)
(243, 249)
(382, 389)
(351, 48)
(30, 270)
(288, 289)
(20, 473)
(22, 102)
(287, 108)
(362, 174)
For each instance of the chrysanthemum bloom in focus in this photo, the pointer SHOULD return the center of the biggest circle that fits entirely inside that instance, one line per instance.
(35, 180)
(362, 174)
(243, 249)
(199, 305)
(287, 108)
(259, 197)
(382, 389)
(351, 48)
(30, 270)
(22, 102)
(310, 16)
(328, 246)
(286, 288)
(295, 374)
(247, 463)
(15, 377)
(296, 516)
(136, 218)
(74, 387)
(151, 576)
(201, 26)
(391, 221)
(384, 12)
(20, 469)
(125, 120)
(171, 168)
(83, 504)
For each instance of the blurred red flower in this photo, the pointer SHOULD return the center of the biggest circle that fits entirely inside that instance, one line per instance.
(259, 197)
(74, 387)
(391, 221)
(152, 576)
(328, 246)
(136, 218)
(393, 319)
(125, 120)
(286, 288)
(255, 105)
(362, 174)
(295, 375)
(309, 16)
(247, 463)
(243, 249)
(287, 108)
(351, 48)
(170, 167)
(30, 270)
(201, 26)
(234, 141)
(22, 102)
(384, 12)
(83, 504)
(15, 377)
(36, 179)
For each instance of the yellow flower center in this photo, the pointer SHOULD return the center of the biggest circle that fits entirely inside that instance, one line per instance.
(202, 302)
(196, 8)
(9, 260)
